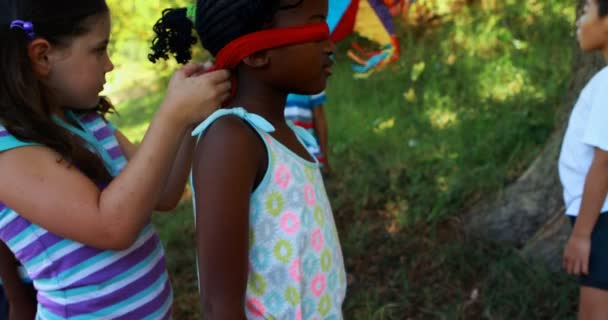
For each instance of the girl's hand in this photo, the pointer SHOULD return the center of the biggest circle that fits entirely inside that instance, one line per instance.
(576, 255)
(193, 95)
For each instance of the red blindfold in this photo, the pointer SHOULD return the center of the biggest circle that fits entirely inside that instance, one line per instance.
(233, 53)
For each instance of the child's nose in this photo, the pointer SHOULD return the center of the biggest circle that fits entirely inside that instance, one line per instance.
(109, 66)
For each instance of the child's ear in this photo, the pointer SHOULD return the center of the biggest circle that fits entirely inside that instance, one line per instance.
(257, 60)
(38, 50)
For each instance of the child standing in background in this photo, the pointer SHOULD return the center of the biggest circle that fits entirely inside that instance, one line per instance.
(583, 170)
(307, 111)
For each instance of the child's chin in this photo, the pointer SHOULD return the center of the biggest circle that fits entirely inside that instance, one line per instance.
(582, 45)
(311, 90)
(320, 86)
(92, 104)
(586, 48)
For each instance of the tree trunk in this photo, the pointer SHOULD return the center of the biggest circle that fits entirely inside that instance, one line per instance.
(529, 213)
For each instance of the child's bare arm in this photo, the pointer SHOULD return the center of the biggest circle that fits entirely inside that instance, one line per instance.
(226, 164)
(576, 254)
(59, 198)
(20, 298)
(176, 181)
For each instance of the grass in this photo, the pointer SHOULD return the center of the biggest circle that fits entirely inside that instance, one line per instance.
(463, 113)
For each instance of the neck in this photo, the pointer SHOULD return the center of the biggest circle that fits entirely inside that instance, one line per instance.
(260, 98)
(605, 54)
(55, 107)
(59, 112)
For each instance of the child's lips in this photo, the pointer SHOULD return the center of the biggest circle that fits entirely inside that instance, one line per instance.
(328, 68)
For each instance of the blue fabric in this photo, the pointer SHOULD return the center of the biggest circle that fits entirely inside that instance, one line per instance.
(598, 259)
(254, 119)
(371, 63)
(93, 144)
(8, 142)
(306, 101)
(303, 134)
(337, 8)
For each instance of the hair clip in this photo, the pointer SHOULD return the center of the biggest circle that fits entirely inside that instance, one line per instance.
(191, 13)
(26, 26)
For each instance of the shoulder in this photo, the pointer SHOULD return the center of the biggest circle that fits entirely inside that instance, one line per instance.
(229, 147)
(230, 128)
(599, 82)
(595, 94)
(36, 160)
(230, 137)
(602, 74)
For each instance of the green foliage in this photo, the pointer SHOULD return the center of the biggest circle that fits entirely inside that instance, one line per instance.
(176, 229)
(132, 22)
(464, 111)
(435, 279)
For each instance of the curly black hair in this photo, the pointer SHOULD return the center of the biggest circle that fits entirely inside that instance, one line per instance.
(173, 31)
(218, 22)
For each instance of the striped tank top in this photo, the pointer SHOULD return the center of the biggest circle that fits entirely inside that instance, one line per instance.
(299, 109)
(75, 281)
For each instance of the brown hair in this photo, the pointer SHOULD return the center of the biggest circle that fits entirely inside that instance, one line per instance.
(24, 109)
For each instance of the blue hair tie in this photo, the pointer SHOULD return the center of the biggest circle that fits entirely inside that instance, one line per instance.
(26, 26)
(191, 13)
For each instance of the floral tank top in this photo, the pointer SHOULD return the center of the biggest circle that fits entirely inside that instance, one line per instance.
(296, 264)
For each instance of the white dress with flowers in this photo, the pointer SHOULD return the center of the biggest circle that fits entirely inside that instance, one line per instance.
(296, 265)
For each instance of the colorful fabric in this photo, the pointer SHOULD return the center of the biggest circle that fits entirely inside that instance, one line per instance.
(75, 281)
(296, 265)
(371, 24)
(341, 19)
(299, 109)
(370, 19)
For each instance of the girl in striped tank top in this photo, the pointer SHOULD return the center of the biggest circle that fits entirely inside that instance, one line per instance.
(267, 242)
(75, 195)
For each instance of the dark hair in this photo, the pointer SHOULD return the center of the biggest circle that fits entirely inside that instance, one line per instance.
(218, 22)
(603, 7)
(24, 109)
